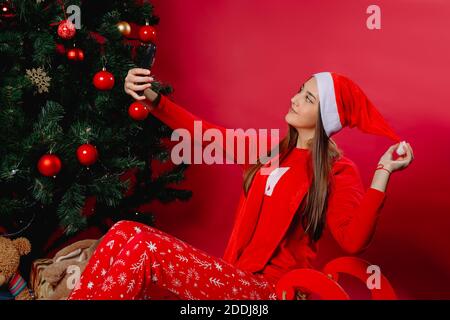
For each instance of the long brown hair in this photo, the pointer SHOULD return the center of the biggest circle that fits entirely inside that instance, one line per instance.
(324, 152)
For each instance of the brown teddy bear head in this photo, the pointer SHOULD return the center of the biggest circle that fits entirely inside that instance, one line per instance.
(10, 252)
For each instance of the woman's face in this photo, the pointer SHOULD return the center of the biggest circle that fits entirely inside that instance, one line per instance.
(304, 108)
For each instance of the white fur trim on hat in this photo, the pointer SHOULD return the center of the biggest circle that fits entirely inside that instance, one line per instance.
(328, 107)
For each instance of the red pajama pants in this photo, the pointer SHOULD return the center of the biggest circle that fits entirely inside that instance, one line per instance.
(136, 261)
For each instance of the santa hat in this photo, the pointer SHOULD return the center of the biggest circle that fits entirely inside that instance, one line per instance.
(343, 103)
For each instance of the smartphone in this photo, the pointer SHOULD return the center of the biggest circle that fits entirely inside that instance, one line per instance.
(148, 58)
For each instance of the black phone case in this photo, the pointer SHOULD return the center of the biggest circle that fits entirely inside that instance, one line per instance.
(148, 58)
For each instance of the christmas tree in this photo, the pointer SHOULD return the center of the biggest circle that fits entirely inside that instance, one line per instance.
(69, 141)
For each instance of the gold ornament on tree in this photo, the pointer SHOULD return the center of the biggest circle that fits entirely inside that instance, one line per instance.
(39, 78)
(124, 28)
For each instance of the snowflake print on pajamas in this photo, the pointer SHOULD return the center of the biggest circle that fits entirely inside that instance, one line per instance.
(170, 269)
(218, 266)
(95, 266)
(151, 264)
(178, 247)
(176, 283)
(240, 273)
(122, 234)
(120, 261)
(109, 282)
(137, 229)
(273, 296)
(203, 264)
(130, 286)
(182, 258)
(192, 273)
(136, 267)
(151, 246)
(254, 295)
(122, 278)
(174, 291)
(189, 295)
(110, 244)
(244, 282)
(216, 282)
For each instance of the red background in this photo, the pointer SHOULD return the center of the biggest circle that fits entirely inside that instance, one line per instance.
(238, 63)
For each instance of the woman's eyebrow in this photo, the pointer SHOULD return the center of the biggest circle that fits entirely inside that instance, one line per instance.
(307, 92)
(311, 95)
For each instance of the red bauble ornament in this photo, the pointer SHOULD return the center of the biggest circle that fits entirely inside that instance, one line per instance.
(75, 54)
(138, 111)
(60, 48)
(147, 34)
(66, 29)
(87, 154)
(80, 55)
(72, 54)
(6, 10)
(49, 165)
(103, 80)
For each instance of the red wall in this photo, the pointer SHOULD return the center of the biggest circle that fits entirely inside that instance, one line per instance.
(238, 63)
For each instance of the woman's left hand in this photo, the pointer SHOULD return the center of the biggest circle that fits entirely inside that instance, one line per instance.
(401, 162)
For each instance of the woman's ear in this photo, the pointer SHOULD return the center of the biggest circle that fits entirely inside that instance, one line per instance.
(22, 245)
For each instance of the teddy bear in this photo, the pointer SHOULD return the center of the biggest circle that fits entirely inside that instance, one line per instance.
(10, 253)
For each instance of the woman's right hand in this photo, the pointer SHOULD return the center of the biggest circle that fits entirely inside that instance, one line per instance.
(401, 162)
(136, 80)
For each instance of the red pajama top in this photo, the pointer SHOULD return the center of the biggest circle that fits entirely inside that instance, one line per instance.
(277, 195)
(267, 235)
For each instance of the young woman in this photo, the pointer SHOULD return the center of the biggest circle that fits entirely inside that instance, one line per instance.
(280, 216)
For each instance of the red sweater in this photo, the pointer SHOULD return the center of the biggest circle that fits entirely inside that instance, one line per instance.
(267, 235)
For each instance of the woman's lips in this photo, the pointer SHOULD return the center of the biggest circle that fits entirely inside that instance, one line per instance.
(291, 109)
